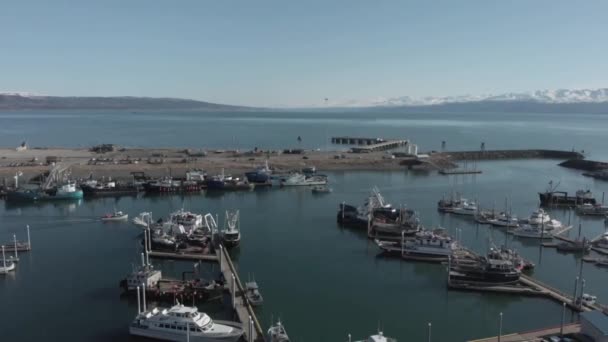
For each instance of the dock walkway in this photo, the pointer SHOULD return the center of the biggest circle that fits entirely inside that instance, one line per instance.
(240, 304)
(535, 335)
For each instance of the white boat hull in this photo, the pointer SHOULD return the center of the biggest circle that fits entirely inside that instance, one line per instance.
(181, 335)
(116, 218)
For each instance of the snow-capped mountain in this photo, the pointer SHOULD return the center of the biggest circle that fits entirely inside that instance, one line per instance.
(540, 96)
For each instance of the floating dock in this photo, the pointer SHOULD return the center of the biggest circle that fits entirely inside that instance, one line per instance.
(534, 335)
(183, 256)
(240, 303)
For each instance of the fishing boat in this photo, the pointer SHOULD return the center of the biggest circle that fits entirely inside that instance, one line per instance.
(94, 188)
(189, 220)
(504, 253)
(67, 191)
(505, 220)
(170, 185)
(465, 208)
(395, 221)
(144, 275)
(277, 333)
(115, 216)
(321, 189)
(260, 175)
(23, 195)
(425, 246)
(360, 216)
(592, 209)
(252, 292)
(6, 265)
(231, 234)
(532, 232)
(484, 271)
(181, 323)
(602, 262)
(582, 246)
(228, 183)
(448, 205)
(299, 179)
(551, 197)
(485, 217)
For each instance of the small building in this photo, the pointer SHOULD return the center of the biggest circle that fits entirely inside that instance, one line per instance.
(595, 325)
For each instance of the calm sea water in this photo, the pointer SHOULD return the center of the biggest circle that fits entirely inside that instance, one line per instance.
(281, 129)
(322, 280)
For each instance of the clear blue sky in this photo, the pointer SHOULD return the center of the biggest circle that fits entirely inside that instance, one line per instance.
(299, 52)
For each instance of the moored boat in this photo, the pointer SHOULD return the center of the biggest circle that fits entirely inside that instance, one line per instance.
(532, 232)
(299, 179)
(592, 209)
(181, 323)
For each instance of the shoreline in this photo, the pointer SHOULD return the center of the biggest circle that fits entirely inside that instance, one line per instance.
(119, 163)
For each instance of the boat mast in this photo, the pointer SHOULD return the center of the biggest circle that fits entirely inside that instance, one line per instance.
(15, 240)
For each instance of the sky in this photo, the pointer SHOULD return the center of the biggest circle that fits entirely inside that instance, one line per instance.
(297, 53)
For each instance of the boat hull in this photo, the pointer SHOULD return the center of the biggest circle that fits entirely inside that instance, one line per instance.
(181, 337)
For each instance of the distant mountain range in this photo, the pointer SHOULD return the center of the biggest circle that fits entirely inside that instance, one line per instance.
(542, 101)
(559, 96)
(17, 101)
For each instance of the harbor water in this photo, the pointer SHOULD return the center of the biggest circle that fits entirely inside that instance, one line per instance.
(312, 272)
(323, 281)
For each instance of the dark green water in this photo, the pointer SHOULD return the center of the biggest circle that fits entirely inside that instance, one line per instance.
(322, 280)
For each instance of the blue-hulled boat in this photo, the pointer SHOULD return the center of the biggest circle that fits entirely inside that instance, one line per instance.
(261, 175)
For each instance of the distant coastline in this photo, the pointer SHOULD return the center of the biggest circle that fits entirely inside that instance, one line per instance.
(19, 102)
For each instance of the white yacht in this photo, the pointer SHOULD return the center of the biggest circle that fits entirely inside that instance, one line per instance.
(505, 220)
(298, 179)
(181, 323)
(465, 208)
(533, 232)
(277, 333)
(588, 299)
(539, 217)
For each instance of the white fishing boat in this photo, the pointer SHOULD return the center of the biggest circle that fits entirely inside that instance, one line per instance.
(592, 209)
(426, 245)
(6, 265)
(298, 179)
(143, 219)
(505, 220)
(252, 292)
(183, 323)
(465, 208)
(231, 234)
(532, 232)
(190, 221)
(115, 216)
(277, 333)
(539, 217)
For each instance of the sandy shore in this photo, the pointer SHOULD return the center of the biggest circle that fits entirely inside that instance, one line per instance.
(176, 162)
